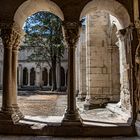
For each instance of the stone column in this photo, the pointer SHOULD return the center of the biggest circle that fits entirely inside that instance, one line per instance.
(14, 77)
(38, 79)
(58, 76)
(77, 69)
(82, 66)
(48, 77)
(10, 37)
(71, 36)
(65, 77)
(137, 91)
(130, 49)
(124, 67)
(20, 76)
(29, 77)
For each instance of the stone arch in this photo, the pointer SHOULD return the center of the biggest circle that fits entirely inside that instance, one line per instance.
(32, 77)
(45, 76)
(25, 76)
(113, 7)
(32, 6)
(119, 17)
(62, 76)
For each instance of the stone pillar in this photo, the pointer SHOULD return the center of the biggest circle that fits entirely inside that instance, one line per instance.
(137, 92)
(29, 77)
(20, 76)
(14, 78)
(58, 76)
(38, 80)
(11, 38)
(77, 69)
(97, 60)
(71, 35)
(48, 77)
(65, 77)
(82, 66)
(124, 67)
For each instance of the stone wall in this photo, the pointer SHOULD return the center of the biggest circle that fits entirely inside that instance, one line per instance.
(81, 65)
(24, 63)
(102, 62)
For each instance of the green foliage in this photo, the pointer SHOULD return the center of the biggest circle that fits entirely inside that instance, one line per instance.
(44, 35)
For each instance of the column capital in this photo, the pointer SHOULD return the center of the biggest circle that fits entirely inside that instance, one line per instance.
(120, 35)
(137, 25)
(137, 55)
(71, 32)
(11, 34)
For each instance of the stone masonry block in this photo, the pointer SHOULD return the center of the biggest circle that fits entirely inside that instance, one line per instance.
(96, 91)
(98, 83)
(100, 77)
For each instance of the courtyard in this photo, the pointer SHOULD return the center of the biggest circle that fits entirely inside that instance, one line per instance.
(51, 108)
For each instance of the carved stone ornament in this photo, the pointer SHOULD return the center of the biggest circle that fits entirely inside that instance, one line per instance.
(71, 32)
(137, 56)
(137, 71)
(10, 34)
(137, 25)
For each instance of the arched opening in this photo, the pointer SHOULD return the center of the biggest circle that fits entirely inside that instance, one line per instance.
(36, 78)
(32, 77)
(30, 7)
(25, 76)
(62, 76)
(45, 77)
(102, 74)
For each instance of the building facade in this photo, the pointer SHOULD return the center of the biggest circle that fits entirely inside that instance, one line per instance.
(34, 75)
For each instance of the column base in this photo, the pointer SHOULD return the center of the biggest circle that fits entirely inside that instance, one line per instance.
(10, 115)
(72, 118)
(89, 106)
(6, 118)
(17, 111)
(81, 97)
(137, 126)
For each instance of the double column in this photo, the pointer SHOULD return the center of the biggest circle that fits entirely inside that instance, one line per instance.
(71, 31)
(11, 39)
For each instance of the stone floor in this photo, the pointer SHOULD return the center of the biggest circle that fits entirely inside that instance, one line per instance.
(42, 106)
(62, 138)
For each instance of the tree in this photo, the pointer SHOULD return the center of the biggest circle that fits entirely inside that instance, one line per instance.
(44, 35)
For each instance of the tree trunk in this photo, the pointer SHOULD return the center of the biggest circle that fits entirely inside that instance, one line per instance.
(54, 86)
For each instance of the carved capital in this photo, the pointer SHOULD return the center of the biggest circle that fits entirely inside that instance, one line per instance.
(71, 32)
(126, 33)
(11, 34)
(137, 56)
(120, 35)
(137, 25)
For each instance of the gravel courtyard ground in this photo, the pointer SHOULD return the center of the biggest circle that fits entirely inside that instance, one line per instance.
(55, 105)
(43, 105)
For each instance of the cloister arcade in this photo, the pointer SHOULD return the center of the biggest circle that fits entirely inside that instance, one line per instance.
(122, 18)
(33, 77)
